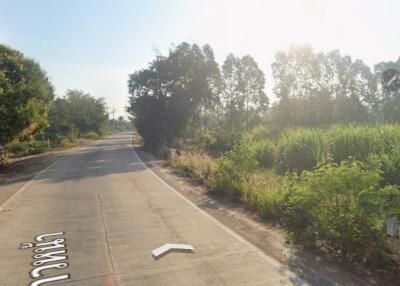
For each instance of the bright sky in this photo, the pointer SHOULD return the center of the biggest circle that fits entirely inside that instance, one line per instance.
(94, 44)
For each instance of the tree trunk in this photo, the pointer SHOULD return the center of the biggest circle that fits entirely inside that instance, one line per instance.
(247, 113)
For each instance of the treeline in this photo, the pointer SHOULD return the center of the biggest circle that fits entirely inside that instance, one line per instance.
(187, 89)
(32, 120)
(317, 89)
(120, 124)
(323, 160)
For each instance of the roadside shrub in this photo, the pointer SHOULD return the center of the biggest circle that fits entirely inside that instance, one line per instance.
(28, 147)
(338, 189)
(224, 142)
(257, 146)
(265, 193)
(226, 179)
(91, 135)
(298, 150)
(243, 156)
(342, 210)
(203, 138)
(265, 152)
(162, 151)
(3, 158)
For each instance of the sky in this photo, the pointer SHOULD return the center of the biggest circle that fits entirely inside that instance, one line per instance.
(93, 45)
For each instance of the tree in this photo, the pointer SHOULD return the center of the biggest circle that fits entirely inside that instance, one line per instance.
(60, 121)
(78, 113)
(389, 90)
(166, 95)
(244, 90)
(119, 124)
(214, 82)
(344, 90)
(25, 96)
(251, 87)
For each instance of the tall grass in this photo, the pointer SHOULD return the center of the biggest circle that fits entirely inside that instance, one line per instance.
(299, 150)
(302, 149)
(361, 141)
(332, 188)
(198, 166)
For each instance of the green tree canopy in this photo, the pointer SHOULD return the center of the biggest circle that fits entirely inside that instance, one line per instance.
(78, 112)
(25, 95)
(244, 95)
(318, 88)
(167, 94)
(389, 90)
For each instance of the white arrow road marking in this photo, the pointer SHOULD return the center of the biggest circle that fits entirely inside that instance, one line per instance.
(171, 246)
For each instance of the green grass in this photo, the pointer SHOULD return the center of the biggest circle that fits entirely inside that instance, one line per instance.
(332, 188)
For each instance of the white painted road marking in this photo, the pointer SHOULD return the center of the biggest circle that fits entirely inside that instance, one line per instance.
(45, 260)
(164, 249)
(272, 261)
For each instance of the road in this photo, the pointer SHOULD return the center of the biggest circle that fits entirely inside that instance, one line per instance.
(94, 216)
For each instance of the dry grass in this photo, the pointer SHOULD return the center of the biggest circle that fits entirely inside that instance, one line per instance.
(195, 165)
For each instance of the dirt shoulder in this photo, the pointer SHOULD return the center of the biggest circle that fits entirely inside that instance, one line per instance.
(268, 237)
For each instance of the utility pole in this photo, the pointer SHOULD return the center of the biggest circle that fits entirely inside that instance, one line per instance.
(113, 121)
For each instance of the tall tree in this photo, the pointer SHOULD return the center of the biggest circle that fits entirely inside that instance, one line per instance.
(25, 95)
(388, 99)
(244, 94)
(214, 82)
(306, 81)
(78, 113)
(166, 95)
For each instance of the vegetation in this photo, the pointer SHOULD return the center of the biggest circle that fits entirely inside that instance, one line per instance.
(25, 96)
(166, 94)
(342, 209)
(323, 160)
(31, 120)
(120, 124)
(243, 96)
(339, 208)
(77, 113)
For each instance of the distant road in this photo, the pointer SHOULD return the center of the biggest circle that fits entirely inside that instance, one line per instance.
(94, 216)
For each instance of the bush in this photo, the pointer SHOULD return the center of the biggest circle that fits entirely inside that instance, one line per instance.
(265, 193)
(265, 152)
(202, 139)
(226, 179)
(342, 209)
(339, 208)
(3, 158)
(29, 147)
(243, 156)
(253, 150)
(91, 135)
(224, 142)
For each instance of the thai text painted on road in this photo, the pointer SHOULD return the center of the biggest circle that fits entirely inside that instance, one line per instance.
(50, 252)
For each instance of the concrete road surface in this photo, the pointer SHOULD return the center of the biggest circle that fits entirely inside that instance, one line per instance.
(94, 216)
